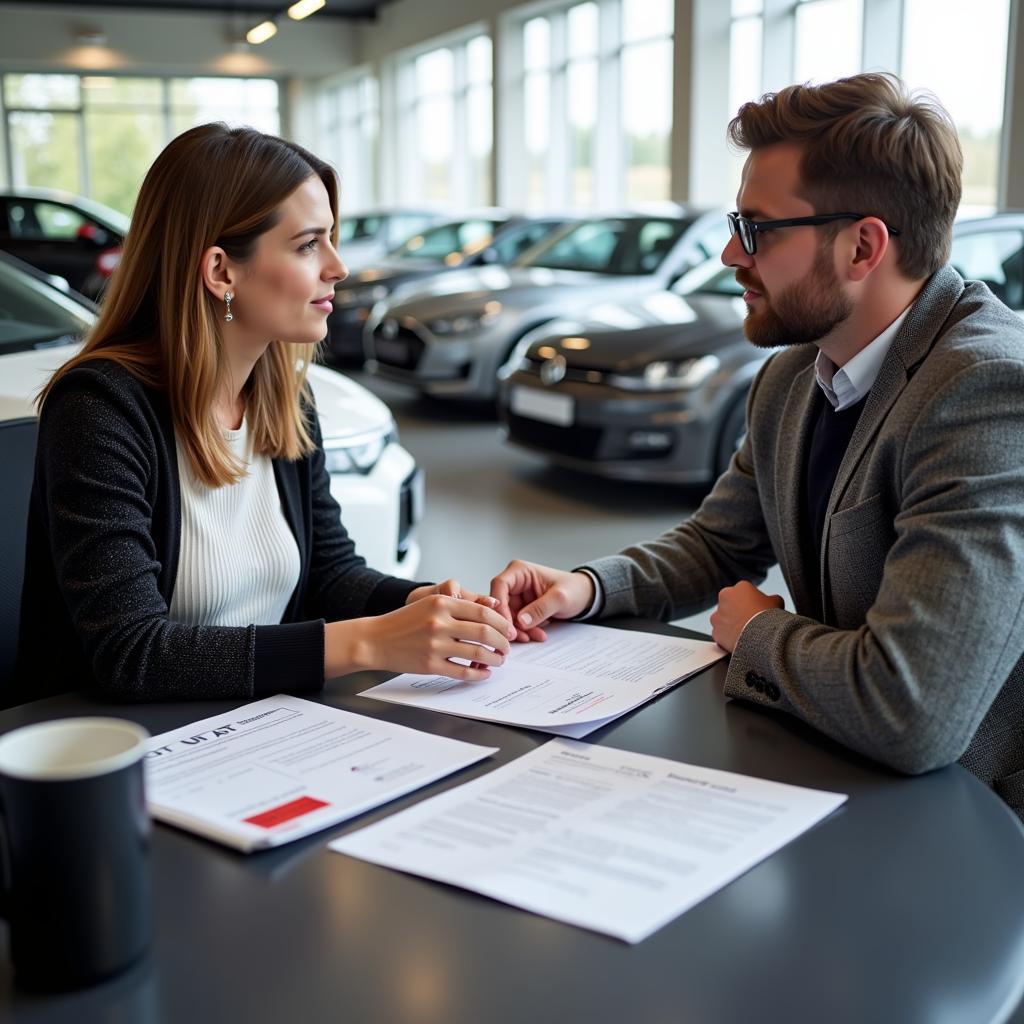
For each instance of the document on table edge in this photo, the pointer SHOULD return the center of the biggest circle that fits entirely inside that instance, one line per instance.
(239, 835)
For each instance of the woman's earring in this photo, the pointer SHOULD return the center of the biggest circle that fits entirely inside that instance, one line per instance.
(228, 315)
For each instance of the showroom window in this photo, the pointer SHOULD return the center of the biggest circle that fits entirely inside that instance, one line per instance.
(348, 134)
(609, 55)
(837, 21)
(774, 42)
(972, 87)
(745, 66)
(647, 96)
(446, 124)
(96, 135)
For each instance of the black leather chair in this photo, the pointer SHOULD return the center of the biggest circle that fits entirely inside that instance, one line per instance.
(17, 459)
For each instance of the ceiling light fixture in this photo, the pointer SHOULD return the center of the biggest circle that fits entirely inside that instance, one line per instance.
(90, 36)
(304, 8)
(261, 33)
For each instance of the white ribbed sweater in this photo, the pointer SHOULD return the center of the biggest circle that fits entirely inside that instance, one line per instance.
(238, 563)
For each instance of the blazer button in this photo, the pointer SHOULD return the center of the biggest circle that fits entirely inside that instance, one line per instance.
(772, 692)
(750, 677)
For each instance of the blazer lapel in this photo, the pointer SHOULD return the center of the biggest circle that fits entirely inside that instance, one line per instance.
(910, 346)
(791, 450)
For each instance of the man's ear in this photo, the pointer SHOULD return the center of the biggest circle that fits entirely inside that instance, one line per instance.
(867, 247)
(218, 273)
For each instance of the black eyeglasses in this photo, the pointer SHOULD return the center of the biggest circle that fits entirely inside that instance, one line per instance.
(748, 229)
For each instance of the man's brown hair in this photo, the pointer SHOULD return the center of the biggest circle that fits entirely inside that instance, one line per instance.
(871, 147)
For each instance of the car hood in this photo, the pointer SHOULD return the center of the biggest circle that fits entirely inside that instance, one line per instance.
(393, 272)
(517, 287)
(25, 374)
(346, 408)
(627, 336)
(357, 255)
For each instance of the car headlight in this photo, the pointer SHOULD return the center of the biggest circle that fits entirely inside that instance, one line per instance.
(669, 375)
(465, 321)
(357, 454)
(367, 295)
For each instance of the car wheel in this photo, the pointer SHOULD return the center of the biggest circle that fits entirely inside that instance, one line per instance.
(734, 426)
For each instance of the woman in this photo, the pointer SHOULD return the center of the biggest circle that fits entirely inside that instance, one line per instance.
(183, 542)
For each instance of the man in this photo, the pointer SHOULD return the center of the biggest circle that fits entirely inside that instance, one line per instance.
(883, 466)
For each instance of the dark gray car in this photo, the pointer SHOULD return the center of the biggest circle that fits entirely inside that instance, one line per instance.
(655, 389)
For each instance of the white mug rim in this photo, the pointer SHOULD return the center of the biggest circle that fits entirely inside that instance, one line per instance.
(87, 769)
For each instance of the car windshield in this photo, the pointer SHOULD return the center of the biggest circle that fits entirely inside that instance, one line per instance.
(612, 245)
(449, 243)
(354, 229)
(33, 314)
(513, 242)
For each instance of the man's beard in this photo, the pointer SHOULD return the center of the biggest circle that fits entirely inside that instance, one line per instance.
(801, 313)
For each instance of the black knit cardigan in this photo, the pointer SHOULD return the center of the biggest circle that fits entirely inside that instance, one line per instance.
(102, 557)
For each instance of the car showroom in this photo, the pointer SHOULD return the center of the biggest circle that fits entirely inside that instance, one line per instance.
(541, 350)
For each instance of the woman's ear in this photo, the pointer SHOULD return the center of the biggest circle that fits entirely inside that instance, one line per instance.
(218, 274)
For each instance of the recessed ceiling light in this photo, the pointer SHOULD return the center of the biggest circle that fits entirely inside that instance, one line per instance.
(261, 33)
(304, 8)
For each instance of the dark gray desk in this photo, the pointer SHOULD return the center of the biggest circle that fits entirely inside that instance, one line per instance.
(907, 905)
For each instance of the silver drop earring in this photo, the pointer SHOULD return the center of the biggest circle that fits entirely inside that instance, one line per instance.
(228, 315)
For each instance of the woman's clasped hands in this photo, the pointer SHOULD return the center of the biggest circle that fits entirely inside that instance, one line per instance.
(437, 624)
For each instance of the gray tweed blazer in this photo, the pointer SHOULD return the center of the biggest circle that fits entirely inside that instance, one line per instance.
(916, 661)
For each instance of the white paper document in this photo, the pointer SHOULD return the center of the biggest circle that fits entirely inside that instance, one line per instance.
(283, 767)
(615, 842)
(580, 678)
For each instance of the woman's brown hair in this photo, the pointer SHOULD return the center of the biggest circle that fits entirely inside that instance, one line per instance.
(212, 185)
(871, 147)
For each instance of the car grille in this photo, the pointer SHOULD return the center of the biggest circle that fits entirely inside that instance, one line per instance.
(404, 350)
(533, 366)
(596, 444)
(580, 442)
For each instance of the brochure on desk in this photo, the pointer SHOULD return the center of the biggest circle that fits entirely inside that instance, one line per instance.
(579, 679)
(283, 768)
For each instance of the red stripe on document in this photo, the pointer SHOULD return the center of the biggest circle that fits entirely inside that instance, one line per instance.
(277, 815)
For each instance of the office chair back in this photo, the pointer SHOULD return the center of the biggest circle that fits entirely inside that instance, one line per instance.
(17, 460)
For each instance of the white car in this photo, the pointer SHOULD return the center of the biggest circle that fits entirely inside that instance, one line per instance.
(374, 479)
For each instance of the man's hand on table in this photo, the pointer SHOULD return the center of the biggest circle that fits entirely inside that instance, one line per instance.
(737, 605)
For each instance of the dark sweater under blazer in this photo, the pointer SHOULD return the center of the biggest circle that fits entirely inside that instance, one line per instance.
(102, 557)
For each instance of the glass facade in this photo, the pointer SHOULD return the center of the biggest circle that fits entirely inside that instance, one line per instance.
(96, 135)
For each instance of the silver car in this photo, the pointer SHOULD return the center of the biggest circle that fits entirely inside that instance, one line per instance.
(449, 336)
(368, 236)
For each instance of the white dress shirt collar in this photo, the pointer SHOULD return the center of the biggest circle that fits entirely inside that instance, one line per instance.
(847, 385)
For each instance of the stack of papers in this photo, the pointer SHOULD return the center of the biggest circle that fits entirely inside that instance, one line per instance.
(283, 767)
(579, 679)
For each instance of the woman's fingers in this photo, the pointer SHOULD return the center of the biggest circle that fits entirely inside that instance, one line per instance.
(482, 656)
